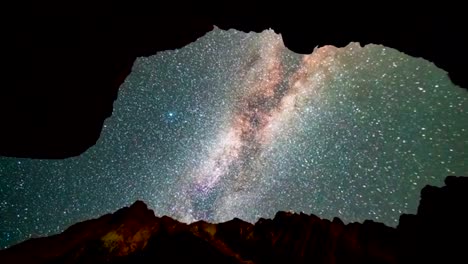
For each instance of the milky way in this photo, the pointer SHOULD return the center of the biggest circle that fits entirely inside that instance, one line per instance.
(236, 125)
(269, 98)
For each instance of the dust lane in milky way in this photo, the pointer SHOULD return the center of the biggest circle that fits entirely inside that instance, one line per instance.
(236, 125)
(278, 100)
(233, 157)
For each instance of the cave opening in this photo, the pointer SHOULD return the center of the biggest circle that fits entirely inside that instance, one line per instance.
(236, 125)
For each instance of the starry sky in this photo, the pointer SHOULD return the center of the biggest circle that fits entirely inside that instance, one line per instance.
(236, 125)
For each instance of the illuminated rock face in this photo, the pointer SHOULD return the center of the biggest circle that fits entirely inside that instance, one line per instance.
(135, 235)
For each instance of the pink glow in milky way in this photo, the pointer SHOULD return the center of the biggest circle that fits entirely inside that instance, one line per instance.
(271, 99)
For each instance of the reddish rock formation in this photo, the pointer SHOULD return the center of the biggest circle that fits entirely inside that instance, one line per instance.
(136, 235)
(62, 66)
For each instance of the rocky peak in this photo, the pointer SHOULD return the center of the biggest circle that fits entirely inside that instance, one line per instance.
(135, 235)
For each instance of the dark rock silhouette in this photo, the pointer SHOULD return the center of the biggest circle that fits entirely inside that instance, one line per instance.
(62, 66)
(436, 234)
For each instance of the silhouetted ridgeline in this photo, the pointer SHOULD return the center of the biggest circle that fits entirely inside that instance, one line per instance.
(436, 234)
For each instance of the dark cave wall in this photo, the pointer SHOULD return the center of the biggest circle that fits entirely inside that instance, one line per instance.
(62, 72)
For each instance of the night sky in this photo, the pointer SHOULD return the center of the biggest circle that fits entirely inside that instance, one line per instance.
(236, 125)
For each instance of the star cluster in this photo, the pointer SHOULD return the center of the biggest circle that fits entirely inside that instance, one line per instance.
(236, 125)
